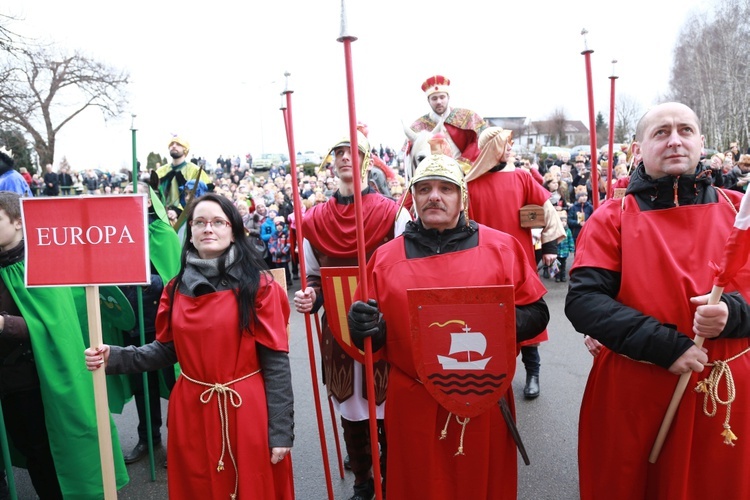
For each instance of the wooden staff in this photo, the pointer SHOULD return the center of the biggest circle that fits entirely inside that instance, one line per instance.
(347, 40)
(287, 111)
(100, 397)
(679, 391)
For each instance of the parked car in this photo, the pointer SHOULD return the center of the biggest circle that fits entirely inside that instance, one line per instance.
(583, 149)
(554, 150)
(268, 160)
(309, 157)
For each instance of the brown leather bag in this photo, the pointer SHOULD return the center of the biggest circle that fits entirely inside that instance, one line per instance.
(532, 216)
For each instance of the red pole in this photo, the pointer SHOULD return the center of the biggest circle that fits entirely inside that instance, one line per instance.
(610, 152)
(287, 111)
(333, 412)
(592, 129)
(347, 39)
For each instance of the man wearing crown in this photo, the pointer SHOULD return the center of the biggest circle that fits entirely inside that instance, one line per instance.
(462, 126)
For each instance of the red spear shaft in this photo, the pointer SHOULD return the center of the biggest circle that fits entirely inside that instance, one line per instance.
(592, 128)
(610, 151)
(287, 111)
(347, 40)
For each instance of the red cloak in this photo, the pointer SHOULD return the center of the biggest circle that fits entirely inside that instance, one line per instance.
(420, 465)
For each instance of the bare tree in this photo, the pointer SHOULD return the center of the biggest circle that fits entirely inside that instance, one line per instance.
(8, 38)
(41, 91)
(711, 73)
(557, 126)
(627, 114)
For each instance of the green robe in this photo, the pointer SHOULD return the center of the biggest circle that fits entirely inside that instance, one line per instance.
(66, 385)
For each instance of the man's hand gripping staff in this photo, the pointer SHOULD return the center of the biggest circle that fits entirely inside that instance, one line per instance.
(366, 320)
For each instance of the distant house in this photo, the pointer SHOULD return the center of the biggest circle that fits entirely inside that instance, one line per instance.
(536, 134)
(553, 133)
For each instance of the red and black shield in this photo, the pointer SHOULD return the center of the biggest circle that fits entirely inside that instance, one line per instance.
(339, 285)
(464, 345)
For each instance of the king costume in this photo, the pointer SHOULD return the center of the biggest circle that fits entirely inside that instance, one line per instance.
(463, 126)
(638, 262)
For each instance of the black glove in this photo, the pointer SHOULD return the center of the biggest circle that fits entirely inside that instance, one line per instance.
(365, 320)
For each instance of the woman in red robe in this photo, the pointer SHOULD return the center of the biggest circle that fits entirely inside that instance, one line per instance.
(225, 321)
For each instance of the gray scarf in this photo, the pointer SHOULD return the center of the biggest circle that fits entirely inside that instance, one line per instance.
(205, 273)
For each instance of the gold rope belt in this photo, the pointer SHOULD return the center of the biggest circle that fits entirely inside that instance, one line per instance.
(710, 389)
(224, 396)
(462, 423)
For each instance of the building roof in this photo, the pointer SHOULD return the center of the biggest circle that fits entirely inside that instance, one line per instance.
(550, 126)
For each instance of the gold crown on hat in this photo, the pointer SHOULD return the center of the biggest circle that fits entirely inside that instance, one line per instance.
(436, 83)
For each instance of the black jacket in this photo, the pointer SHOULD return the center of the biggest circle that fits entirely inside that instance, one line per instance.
(591, 309)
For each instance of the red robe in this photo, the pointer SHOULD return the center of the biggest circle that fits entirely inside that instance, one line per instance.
(625, 400)
(495, 199)
(419, 464)
(205, 332)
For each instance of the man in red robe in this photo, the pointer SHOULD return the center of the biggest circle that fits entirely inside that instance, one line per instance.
(638, 286)
(498, 190)
(442, 248)
(462, 126)
(330, 240)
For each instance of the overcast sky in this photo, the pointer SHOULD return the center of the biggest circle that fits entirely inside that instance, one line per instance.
(212, 71)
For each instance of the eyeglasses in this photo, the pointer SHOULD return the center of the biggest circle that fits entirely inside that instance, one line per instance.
(216, 223)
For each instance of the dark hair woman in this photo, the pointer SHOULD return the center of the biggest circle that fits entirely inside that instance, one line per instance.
(224, 319)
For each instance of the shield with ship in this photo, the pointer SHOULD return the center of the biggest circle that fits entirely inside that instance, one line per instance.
(464, 345)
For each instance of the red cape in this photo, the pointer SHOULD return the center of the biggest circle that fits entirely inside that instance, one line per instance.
(331, 226)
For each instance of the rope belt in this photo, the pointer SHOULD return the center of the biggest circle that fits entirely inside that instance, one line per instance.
(462, 423)
(710, 389)
(224, 396)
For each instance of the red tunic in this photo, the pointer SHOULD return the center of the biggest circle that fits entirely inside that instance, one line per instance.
(210, 349)
(495, 199)
(419, 464)
(663, 256)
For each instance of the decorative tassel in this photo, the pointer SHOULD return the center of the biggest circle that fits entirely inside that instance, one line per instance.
(220, 467)
(728, 436)
(703, 386)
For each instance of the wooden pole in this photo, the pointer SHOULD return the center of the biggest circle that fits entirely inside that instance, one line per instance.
(679, 391)
(100, 397)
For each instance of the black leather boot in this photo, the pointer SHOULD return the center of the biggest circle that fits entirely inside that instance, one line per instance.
(531, 390)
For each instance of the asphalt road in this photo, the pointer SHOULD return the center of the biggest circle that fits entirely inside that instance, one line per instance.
(548, 424)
